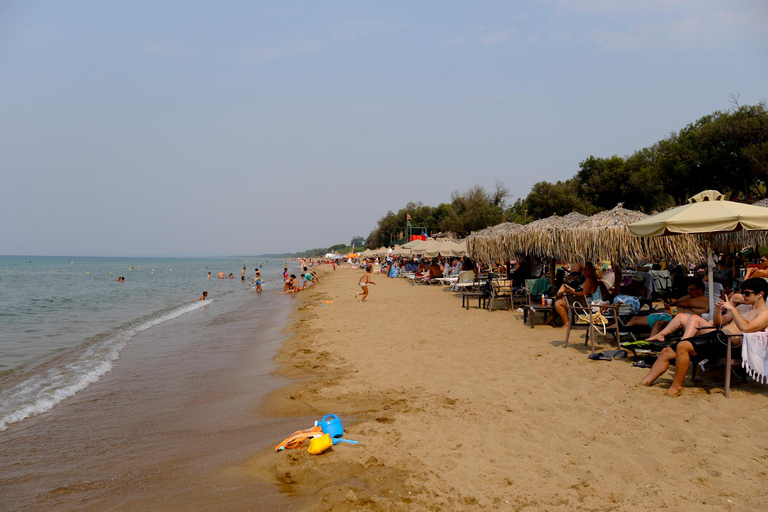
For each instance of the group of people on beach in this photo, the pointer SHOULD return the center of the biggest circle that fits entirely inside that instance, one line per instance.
(740, 306)
(293, 284)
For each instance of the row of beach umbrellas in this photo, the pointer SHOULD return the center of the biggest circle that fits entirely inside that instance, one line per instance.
(427, 248)
(577, 238)
(684, 234)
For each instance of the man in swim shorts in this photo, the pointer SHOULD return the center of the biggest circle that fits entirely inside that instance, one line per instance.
(701, 337)
(695, 303)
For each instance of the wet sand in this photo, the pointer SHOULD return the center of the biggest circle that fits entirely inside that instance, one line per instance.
(472, 410)
(168, 428)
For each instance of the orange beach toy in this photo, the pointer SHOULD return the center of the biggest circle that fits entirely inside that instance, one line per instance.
(296, 440)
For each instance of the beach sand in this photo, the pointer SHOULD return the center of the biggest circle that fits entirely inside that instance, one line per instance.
(472, 410)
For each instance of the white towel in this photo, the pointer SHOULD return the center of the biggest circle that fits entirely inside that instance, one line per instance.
(754, 355)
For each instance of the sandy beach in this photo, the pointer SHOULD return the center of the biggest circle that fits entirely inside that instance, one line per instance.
(472, 410)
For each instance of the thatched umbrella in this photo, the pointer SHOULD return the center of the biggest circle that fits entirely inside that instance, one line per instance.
(490, 244)
(605, 236)
(544, 239)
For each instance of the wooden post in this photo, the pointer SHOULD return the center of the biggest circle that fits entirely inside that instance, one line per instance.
(552, 265)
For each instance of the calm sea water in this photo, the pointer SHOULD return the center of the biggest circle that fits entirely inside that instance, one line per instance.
(134, 395)
(65, 320)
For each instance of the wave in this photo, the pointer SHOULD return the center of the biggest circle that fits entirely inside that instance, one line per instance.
(52, 384)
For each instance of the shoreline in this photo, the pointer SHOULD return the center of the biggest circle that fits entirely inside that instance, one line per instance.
(458, 410)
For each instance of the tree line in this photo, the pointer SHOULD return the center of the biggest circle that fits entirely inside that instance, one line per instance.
(725, 150)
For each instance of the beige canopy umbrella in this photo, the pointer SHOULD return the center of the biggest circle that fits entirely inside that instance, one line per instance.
(366, 253)
(707, 214)
(458, 250)
(427, 248)
(412, 244)
(402, 252)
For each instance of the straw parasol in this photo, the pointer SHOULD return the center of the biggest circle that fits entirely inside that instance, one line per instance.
(605, 236)
(490, 243)
(544, 238)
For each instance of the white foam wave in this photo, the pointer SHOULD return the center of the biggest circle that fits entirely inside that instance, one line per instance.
(44, 390)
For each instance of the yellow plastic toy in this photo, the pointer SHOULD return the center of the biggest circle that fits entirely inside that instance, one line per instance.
(319, 444)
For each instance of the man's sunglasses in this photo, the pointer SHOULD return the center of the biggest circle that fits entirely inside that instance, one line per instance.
(747, 293)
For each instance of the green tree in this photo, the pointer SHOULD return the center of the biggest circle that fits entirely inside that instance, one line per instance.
(561, 198)
(357, 241)
(475, 209)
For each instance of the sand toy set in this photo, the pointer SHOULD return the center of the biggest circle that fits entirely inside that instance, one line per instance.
(326, 433)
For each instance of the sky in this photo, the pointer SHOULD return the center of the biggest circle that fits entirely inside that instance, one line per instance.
(192, 128)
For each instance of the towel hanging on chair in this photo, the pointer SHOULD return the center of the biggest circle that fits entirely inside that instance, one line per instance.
(754, 355)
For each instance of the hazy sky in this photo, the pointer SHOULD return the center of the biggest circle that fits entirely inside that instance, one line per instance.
(196, 128)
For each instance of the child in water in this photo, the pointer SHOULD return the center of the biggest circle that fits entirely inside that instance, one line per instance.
(364, 282)
(257, 280)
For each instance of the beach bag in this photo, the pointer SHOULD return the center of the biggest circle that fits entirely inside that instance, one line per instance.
(598, 319)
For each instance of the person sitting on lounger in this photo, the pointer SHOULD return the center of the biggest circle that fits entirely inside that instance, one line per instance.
(696, 342)
(695, 303)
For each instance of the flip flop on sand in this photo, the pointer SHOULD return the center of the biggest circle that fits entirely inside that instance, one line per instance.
(616, 354)
(599, 356)
(641, 364)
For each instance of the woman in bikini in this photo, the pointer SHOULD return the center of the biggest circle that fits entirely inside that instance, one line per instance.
(364, 282)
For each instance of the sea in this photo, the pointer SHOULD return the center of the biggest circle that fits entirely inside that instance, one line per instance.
(135, 395)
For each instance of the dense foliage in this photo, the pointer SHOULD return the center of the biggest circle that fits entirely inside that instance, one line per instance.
(726, 151)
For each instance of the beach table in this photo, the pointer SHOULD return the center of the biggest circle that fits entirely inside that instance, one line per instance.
(532, 309)
(466, 297)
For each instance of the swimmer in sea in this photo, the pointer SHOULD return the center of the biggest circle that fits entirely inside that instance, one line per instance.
(205, 296)
(209, 275)
(242, 274)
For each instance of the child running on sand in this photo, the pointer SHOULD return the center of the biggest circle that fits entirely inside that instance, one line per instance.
(364, 282)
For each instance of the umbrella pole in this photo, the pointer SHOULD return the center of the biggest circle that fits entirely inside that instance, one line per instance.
(710, 264)
(617, 278)
(552, 266)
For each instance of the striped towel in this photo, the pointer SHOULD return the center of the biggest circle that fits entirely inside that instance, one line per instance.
(754, 355)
